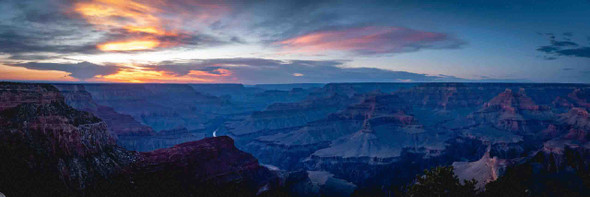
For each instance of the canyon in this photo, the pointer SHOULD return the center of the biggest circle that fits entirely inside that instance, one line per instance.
(302, 139)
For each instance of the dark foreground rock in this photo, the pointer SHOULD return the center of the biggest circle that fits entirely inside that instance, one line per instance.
(51, 149)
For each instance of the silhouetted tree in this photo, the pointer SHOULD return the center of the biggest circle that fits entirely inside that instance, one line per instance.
(441, 181)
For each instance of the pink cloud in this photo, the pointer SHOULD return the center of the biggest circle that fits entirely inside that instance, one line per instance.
(368, 40)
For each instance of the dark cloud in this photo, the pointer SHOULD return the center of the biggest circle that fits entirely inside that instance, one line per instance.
(16, 43)
(22, 56)
(548, 49)
(563, 43)
(577, 52)
(42, 27)
(256, 70)
(82, 70)
(566, 47)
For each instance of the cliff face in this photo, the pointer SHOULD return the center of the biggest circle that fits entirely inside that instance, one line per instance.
(161, 107)
(449, 96)
(45, 140)
(14, 94)
(49, 148)
(208, 167)
(119, 124)
(211, 162)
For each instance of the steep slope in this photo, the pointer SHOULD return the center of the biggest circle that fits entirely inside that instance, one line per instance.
(208, 167)
(50, 146)
(50, 149)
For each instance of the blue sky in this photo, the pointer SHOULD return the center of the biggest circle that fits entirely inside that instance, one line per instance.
(294, 41)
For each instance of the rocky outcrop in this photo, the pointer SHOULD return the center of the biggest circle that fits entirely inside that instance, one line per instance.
(212, 166)
(484, 170)
(514, 112)
(14, 94)
(46, 141)
(50, 149)
(210, 159)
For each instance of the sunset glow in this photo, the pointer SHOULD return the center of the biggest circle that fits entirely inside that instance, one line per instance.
(18, 74)
(131, 16)
(136, 74)
(129, 45)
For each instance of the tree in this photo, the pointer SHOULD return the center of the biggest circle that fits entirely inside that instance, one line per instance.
(441, 181)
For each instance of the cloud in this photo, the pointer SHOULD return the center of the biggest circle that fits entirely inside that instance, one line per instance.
(62, 28)
(236, 70)
(148, 24)
(369, 40)
(577, 52)
(82, 70)
(258, 70)
(566, 47)
(36, 28)
(42, 27)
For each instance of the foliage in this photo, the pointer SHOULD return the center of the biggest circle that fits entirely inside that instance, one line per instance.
(441, 181)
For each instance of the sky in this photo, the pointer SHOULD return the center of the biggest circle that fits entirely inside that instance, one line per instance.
(287, 41)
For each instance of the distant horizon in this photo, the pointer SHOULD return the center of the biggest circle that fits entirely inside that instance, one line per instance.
(368, 82)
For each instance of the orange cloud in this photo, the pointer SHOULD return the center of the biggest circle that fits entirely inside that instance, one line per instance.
(368, 40)
(132, 45)
(220, 72)
(150, 24)
(141, 75)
